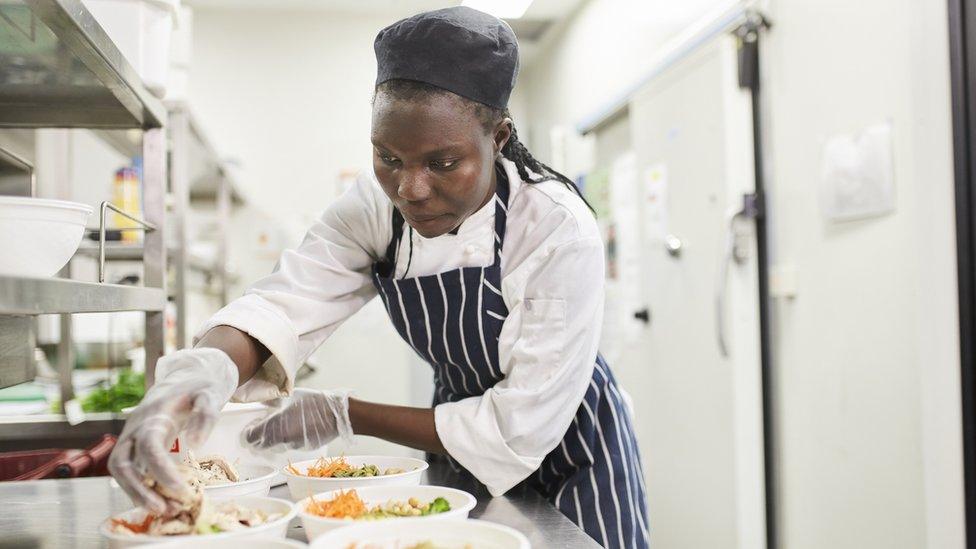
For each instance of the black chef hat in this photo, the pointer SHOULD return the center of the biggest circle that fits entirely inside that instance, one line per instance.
(461, 50)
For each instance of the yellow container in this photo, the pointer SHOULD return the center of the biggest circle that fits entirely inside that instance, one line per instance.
(126, 195)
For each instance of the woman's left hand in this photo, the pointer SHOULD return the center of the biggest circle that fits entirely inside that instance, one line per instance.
(308, 420)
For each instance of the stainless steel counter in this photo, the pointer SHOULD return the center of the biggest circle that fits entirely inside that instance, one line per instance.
(66, 513)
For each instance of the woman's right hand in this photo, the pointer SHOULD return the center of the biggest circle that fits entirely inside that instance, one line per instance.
(191, 387)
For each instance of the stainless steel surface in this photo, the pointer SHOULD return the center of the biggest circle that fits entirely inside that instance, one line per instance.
(66, 360)
(34, 296)
(223, 221)
(13, 158)
(154, 179)
(128, 143)
(58, 68)
(179, 133)
(113, 251)
(66, 351)
(106, 205)
(16, 350)
(66, 513)
(521, 508)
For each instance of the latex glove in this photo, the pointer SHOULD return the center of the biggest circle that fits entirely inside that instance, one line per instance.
(191, 387)
(309, 419)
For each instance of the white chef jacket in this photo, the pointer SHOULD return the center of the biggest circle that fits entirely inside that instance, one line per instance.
(552, 283)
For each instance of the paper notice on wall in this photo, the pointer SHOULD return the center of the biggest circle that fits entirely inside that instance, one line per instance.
(858, 174)
(655, 198)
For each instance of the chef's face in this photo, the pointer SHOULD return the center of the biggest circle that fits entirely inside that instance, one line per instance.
(434, 158)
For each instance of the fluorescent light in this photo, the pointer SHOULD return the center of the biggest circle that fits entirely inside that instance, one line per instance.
(504, 9)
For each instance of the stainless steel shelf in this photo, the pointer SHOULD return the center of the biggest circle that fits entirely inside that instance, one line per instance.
(124, 142)
(58, 68)
(134, 252)
(33, 296)
(207, 171)
(117, 252)
(54, 431)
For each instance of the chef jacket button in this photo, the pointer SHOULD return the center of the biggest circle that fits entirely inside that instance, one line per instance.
(470, 249)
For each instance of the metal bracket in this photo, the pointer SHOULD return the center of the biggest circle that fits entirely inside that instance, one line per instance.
(146, 226)
(13, 158)
(748, 35)
(752, 206)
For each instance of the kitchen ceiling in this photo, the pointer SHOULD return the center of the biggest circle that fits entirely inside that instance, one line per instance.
(540, 16)
(539, 9)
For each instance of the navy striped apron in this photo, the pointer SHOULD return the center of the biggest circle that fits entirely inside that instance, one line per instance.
(453, 319)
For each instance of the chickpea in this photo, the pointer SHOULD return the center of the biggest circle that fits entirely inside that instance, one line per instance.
(413, 502)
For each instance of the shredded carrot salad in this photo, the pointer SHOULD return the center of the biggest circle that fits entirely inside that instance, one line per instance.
(325, 468)
(344, 505)
(137, 527)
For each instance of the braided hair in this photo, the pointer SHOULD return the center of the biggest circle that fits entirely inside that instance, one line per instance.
(529, 168)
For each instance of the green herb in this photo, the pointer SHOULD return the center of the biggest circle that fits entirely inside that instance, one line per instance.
(127, 392)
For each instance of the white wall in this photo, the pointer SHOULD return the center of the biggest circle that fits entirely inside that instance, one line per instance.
(591, 57)
(867, 354)
(867, 389)
(288, 93)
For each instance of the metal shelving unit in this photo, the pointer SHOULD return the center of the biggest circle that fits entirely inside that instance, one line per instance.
(58, 69)
(198, 175)
(38, 296)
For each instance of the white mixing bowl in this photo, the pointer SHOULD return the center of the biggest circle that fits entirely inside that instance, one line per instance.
(231, 543)
(301, 486)
(461, 504)
(255, 481)
(276, 529)
(392, 534)
(38, 236)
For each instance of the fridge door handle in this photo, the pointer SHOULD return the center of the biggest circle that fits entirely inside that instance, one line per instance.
(732, 252)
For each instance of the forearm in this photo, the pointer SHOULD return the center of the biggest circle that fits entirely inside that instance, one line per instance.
(413, 427)
(246, 352)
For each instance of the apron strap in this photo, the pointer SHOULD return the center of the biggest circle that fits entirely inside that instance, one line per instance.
(501, 209)
(388, 264)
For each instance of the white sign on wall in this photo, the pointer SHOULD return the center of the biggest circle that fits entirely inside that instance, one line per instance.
(858, 174)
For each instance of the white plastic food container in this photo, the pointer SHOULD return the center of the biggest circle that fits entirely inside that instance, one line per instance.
(38, 236)
(256, 481)
(477, 534)
(302, 486)
(232, 543)
(275, 529)
(142, 30)
(461, 504)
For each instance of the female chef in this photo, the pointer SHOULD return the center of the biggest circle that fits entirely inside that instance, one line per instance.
(490, 266)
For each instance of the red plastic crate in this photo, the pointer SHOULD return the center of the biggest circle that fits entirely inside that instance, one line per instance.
(58, 462)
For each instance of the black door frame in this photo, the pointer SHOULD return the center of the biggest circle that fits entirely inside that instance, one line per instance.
(962, 57)
(749, 60)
